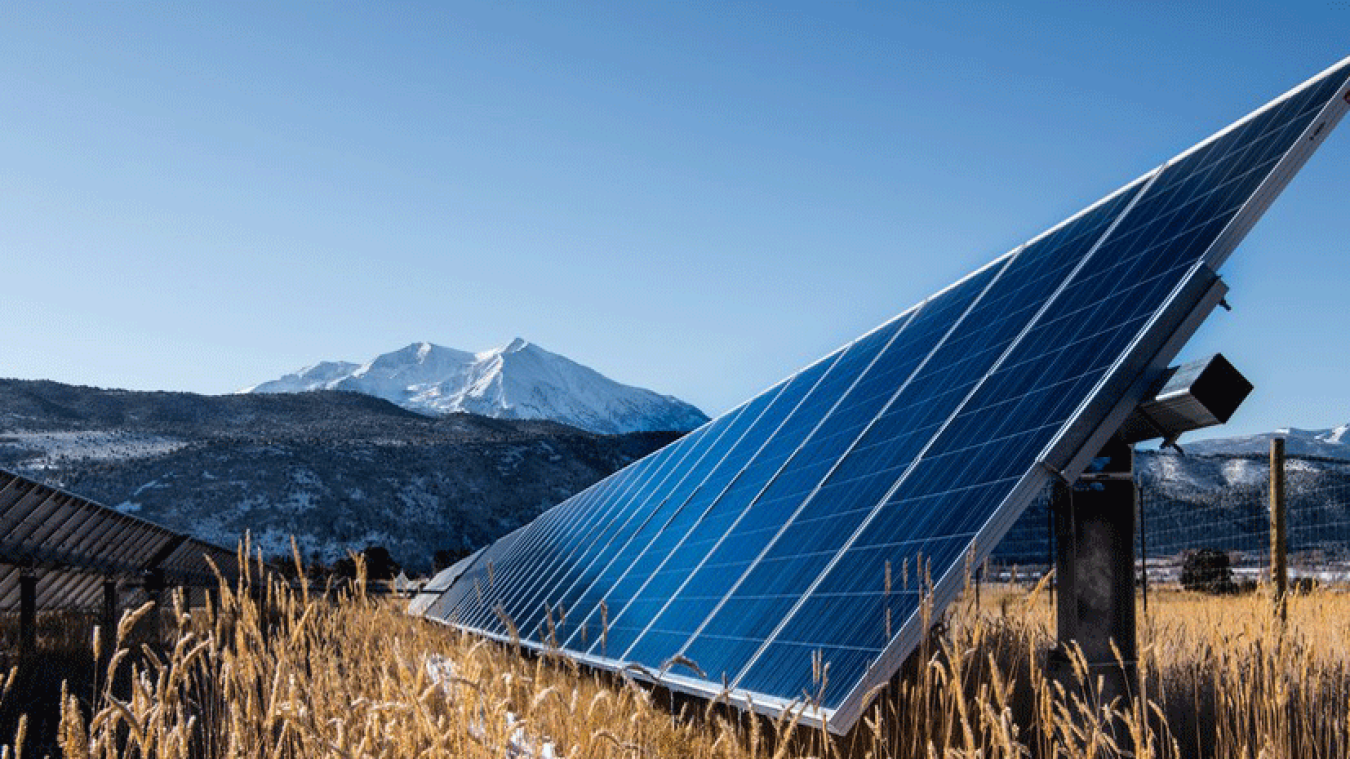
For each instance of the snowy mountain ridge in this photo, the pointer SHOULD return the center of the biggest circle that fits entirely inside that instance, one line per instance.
(517, 381)
(1239, 463)
(1332, 443)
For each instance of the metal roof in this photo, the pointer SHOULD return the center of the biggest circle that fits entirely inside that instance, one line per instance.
(72, 543)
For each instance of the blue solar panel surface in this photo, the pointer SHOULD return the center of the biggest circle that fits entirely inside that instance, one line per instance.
(779, 532)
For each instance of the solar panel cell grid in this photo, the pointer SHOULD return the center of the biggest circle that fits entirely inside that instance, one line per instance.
(574, 601)
(629, 616)
(587, 535)
(666, 517)
(1029, 399)
(551, 597)
(486, 573)
(677, 512)
(802, 528)
(466, 585)
(730, 515)
(533, 538)
(497, 575)
(778, 504)
(970, 345)
(567, 518)
(571, 544)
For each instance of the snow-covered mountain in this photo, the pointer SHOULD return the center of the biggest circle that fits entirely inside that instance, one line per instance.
(517, 381)
(339, 471)
(1331, 444)
(317, 377)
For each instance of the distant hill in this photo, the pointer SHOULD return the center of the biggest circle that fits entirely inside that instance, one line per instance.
(339, 470)
(517, 381)
(1216, 495)
(1222, 501)
(1331, 443)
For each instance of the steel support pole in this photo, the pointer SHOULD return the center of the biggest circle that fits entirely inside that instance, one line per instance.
(27, 613)
(1094, 564)
(109, 615)
(154, 587)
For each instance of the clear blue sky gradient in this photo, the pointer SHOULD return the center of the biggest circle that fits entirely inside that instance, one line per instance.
(694, 199)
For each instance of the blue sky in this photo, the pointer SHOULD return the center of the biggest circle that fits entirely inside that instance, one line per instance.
(697, 199)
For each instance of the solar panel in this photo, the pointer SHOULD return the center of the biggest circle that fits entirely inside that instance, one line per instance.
(441, 582)
(777, 535)
(72, 544)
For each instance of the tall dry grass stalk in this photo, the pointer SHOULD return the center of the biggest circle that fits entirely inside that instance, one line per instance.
(277, 673)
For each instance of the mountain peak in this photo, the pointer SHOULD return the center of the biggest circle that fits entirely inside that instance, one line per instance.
(517, 381)
(1339, 435)
(418, 351)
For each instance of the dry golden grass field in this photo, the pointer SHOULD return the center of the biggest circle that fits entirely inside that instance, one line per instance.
(295, 676)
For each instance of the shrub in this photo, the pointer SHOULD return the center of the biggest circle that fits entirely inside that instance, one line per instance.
(1208, 570)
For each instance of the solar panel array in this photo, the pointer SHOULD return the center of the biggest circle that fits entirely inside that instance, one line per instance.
(791, 531)
(73, 544)
(440, 583)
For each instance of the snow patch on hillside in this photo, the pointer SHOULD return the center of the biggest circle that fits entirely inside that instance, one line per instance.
(317, 377)
(52, 449)
(1239, 472)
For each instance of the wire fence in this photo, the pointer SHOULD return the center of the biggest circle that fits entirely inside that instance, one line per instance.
(1190, 503)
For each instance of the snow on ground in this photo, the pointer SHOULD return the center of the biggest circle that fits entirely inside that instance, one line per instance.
(441, 670)
(1172, 468)
(95, 445)
(1238, 472)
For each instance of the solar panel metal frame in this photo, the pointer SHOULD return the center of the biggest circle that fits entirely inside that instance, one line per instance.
(1071, 449)
(72, 543)
(441, 582)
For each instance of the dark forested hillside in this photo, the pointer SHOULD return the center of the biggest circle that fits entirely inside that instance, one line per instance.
(338, 470)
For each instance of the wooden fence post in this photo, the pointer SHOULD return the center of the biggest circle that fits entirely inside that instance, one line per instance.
(1279, 544)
